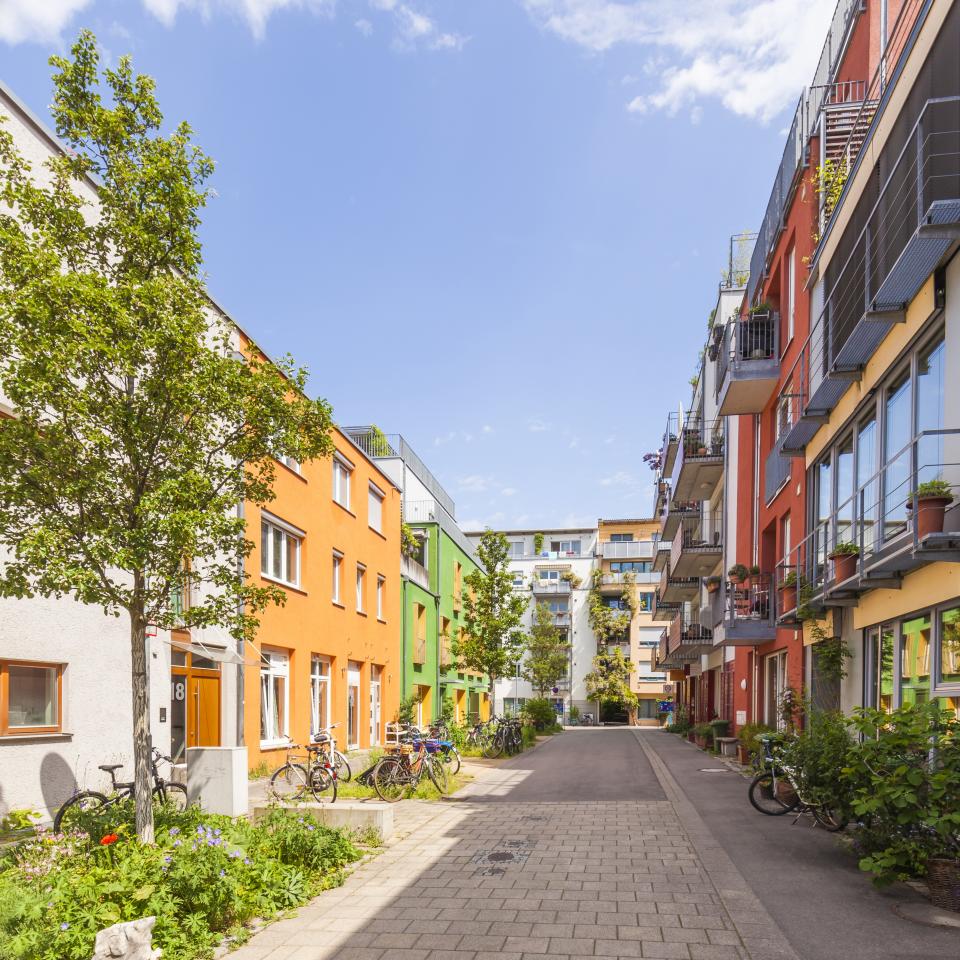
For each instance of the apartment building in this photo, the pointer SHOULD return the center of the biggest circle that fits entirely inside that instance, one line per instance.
(331, 653)
(625, 554)
(832, 382)
(555, 568)
(432, 584)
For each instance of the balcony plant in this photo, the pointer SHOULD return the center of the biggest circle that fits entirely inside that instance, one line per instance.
(788, 591)
(738, 574)
(712, 584)
(537, 543)
(844, 556)
(932, 499)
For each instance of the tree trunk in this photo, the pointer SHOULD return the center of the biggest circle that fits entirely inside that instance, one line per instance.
(142, 744)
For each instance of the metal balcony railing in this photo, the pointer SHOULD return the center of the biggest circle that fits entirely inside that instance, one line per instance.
(912, 221)
(668, 448)
(629, 550)
(697, 545)
(415, 571)
(747, 339)
(751, 603)
(882, 521)
(776, 472)
(687, 636)
(420, 511)
(558, 587)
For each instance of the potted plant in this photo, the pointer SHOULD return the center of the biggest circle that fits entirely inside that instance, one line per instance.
(932, 499)
(844, 556)
(749, 747)
(755, 575)
(537, 543)
(713, 584)
(738, 573)
(788, 591)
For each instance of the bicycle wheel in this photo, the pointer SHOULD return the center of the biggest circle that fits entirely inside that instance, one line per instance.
(438, 772)
(80, 803)
(452, 758)
(342, 767)
(389, 779)
(493, 747)
(829, 819)
(290, 782)
(771, 795)
(174, 794)
(323, 784)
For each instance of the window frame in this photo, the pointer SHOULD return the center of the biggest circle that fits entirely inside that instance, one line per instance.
(272, 653)
(316, 680)
(42, 730)
(375, 493)
(361, 585)
(336, 581)
(289, 531)
(381, 596)
(341, 477)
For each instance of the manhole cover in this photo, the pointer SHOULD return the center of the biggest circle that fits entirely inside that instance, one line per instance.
(493, 872)
(500, 857)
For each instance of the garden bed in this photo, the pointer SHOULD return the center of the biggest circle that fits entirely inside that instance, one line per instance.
(207, 878)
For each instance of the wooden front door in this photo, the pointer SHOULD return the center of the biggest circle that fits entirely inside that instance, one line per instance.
(203, 716)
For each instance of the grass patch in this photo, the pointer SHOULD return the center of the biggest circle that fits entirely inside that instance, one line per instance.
(425, 790)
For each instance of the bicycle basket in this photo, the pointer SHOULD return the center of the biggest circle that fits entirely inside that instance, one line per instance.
(406, 748)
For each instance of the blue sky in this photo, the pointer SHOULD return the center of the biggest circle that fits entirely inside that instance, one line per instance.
(494, 226)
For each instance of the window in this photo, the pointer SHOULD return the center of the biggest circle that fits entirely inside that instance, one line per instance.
(785, 544)
(361, 587)
(375, 508)
(915, 660)
(621, 538)
(644, 602)
(548, 576)
(274, 697)
(516, 549)
(446, 647)
(783, 417)
(280, 551)
(878, 690)
(319, 694)
(567, 548)
(30, 696)
(457, 585)
(342, 469)
(420, 633)
(291, 462)
(381, 588)
(791, 291)
(776, 687)
(950, 645)
(631, 566)
(337, 564)
(897, 433)
(517, 579)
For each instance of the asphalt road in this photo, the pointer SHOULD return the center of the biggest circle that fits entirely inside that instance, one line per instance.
(584, 765)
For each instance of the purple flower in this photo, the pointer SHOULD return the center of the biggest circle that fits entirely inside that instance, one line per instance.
(167, 859)
(176, 843)
(311, 828)
(217, 832)
(246, 860)
(236, 854)
(64, 926)
(223, 873)
(173, 831)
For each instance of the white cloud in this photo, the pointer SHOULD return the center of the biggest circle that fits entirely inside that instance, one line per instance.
(751, 55)
(415, 29)
(41, 21)
(536, 425)
(474, 483)
(471, 526)
(574, 443)
(364, 26)
(486, 428)
(508, 492)
(439, 441)
(256, 13)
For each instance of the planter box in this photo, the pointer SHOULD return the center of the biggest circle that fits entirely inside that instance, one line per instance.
(743, 754)
(349, 814)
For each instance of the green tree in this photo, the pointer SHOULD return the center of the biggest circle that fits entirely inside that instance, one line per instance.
(610, 624)
(548, 652)
(138, 429)
(609, 681)
(493, 642)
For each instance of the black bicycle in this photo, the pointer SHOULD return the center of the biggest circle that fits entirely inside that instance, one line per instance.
(164, 791)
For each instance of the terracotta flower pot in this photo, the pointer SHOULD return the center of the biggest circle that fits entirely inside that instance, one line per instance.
(929, 514)
(844, 565)
(743, 754)
(788, 598)
(943, 876)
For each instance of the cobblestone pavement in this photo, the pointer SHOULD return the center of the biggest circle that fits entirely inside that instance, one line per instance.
(486, 875)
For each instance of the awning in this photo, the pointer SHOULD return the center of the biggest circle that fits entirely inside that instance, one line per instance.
(211, 652)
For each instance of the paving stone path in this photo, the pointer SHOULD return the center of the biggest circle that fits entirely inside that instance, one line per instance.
(551, 855)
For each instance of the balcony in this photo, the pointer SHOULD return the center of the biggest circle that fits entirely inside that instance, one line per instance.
(415, 571)
(662, 556)
(676, 589)
(687, 638)
(670, 445)
(776, 473)
(663, 610)
(697, 549)
(699, 466)
(550, 588)
(893, 535)
(561, 619)
(615, 582)
(629, 550)
(910, 225)
(747, 612)
(748, 363)
(673, 512)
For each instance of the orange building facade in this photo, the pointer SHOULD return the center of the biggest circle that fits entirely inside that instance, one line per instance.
(331, 653)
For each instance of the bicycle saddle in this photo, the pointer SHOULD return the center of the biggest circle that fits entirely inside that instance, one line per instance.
(109, 767)
(321, 738)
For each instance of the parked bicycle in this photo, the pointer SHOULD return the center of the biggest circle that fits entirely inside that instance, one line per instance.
(408, 762)
(779, 789)
(505, 736)
(325, 739)
(313, 774)
(164, 791)
(448, 751)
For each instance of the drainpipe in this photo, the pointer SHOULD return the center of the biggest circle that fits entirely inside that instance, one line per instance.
(436, 600)
(241, 649)
(883, 44)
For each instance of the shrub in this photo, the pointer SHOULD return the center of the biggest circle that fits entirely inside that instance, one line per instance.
(934, 488)
(819, 753)
(574, 714)
(749, 735)
(204, 876)
(539, 711)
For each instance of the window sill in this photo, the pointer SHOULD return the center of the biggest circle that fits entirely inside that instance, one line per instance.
(33, 737)
(381, 620)
(337, 603)
(379, 533)
(284, 584)
(275, 745)
(361, 613)
(345, 509)
(290, 469)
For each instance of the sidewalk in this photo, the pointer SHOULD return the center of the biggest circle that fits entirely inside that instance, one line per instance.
(806, 878)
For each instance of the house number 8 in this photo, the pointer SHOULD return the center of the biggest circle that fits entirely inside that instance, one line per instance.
(179, 690)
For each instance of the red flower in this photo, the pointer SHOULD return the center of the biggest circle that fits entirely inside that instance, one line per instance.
(108, 839)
